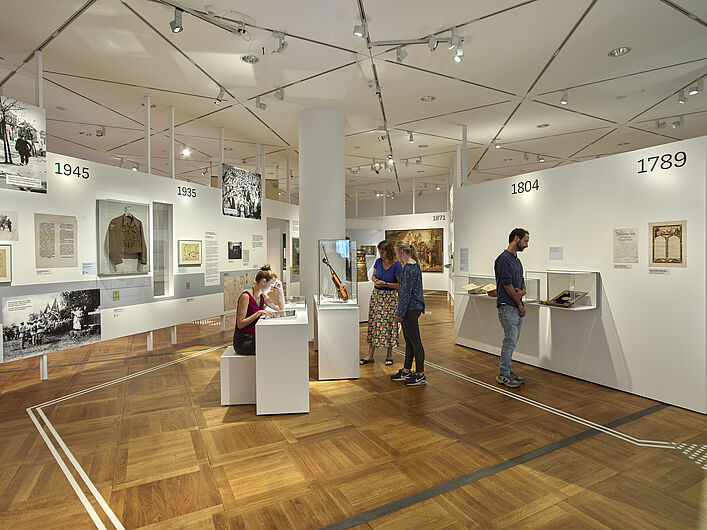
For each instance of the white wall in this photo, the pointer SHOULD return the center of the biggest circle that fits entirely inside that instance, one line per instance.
(429, 202)
(648, 336)
(192, 217)
(371, 231)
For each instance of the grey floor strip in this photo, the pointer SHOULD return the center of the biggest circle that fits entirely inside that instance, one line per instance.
(446, 487)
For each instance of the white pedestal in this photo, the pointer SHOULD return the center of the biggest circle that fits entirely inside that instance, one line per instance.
(365, 289)
(282, 364)
(237, 378)
(336, 339)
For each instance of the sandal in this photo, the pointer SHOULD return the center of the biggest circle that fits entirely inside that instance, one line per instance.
(388, 362)
(365, 361)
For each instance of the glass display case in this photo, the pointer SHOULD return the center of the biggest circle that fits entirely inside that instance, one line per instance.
(337, 272)
(485, 286)
(572, 290)
(295, 302)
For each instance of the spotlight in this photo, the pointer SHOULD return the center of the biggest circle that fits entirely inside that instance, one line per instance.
(259, 105)
(525, 156)
(355, 170)
(390, 160)
(433, 43)
(459, 56)
(400, 54)
(381, 133)
(681, 97)
(281, 43)
(185, 151)
(660, 124)
(438, 187)
(101, 132)
(136, 167)
(377, 165)
(411, 139)
(203, 172)
(699, 87)
(496, 144)
(221, 95)
(176, 24)
(121, 163)
(359, 30)
(418, 161)
(280, 94)
(455, 38)
(541, 159)
(677, 123)
(563, 101)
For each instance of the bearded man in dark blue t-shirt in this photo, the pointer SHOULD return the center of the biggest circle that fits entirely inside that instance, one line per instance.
(509, 302)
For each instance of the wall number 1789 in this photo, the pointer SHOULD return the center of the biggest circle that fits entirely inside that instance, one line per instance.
(524, 186)
(665, 161)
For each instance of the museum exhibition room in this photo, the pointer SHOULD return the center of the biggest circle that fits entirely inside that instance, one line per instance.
(227, 230)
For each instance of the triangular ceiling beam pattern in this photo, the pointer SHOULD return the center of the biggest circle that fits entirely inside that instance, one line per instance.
(102, 57)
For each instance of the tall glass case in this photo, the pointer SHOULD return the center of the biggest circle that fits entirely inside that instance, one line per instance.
(485, 285)
(572, 290)
(337, 272)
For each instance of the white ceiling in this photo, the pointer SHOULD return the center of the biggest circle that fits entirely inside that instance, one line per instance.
(102, 57)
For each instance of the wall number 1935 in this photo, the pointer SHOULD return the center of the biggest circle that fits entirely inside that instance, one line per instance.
(525, 186)
(666, 161)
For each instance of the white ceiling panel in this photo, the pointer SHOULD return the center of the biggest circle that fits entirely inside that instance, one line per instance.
(622, 140)
(561, 146)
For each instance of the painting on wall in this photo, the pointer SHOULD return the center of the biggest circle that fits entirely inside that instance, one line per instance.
(668, 244)
(189, 252)
(428, 242)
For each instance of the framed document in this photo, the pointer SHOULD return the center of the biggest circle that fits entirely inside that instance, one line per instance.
(565, 299)
(5, 263)
(189, 252)
(668, 244)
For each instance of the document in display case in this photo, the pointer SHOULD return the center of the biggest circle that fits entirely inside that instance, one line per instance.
(572, 290)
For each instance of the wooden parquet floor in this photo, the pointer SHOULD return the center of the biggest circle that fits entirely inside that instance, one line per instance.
(162, 452)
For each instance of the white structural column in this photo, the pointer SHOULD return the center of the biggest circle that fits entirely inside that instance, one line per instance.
(148, 153)
(39, 80)
(322, 188)
(221, 146)
(171, 142)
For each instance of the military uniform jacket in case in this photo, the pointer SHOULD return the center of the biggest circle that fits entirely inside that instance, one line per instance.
(125, 236)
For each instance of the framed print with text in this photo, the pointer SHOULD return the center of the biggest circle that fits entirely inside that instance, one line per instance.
(668, 244)
(5, 263)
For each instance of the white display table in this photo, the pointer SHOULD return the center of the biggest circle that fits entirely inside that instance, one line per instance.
(282, 364)
(336, 338)
(365, 290)
(237, 378)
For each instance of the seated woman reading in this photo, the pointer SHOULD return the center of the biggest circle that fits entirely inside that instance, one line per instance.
(251, 306)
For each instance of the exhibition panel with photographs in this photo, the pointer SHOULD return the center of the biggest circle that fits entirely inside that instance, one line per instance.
(241, 193)
(23, 165)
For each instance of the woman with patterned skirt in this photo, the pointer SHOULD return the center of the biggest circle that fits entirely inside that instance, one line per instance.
(382, 327)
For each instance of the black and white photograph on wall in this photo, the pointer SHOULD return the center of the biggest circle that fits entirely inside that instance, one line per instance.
(23, 163)
(9, 226)
(42, 323)
(235, 250)
(241, 193)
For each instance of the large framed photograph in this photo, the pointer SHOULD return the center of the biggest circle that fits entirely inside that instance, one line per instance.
(189, 252)
(5, 263)
(41, 323)
(23, 163)
(668, 244)
(123, 237)
(241, 193)
(428, 243)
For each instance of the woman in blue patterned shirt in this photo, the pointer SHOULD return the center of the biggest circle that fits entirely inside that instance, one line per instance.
(411, 304)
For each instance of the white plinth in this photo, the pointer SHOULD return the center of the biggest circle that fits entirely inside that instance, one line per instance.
(336, 339)
(282, 364)
(365, 290)
(237, 378)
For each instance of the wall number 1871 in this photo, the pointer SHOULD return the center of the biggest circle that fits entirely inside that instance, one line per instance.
(524, 186)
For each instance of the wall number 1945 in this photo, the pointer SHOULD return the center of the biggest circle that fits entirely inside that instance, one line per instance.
(665, 161)
(524, 186)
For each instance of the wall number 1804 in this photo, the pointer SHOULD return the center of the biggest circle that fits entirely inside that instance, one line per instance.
(666, 161)
(524, 186)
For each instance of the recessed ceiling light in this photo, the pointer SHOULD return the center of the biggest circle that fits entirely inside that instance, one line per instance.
(422, 146)
(618, 52)
(60, 108)
(250, 59)
(542, 125)
(85, 133)
(623, 143)
(228, 148)
(427, 99)
(420, 170)
(623, 96)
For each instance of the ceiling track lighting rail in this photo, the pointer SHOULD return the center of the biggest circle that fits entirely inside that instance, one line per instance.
(455, 42)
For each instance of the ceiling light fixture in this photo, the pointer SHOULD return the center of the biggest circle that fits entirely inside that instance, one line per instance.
(280, 94)
(185, 151)
(455, 38)
(433, 43)
(677, 123)
(281, 42)
(438, 187)
(542, 125)
(360, 30)
(250, 59)
(176, 24)
(541, 159)
(221, 95)
(390, 160)
(563, 101)
(259, 105)
(681, 97)
(660, 124)
(496, 144)
(136, 167)
(85, 133)
(101, 132)
(427, 99)
(699, 87)
(121, 162)
(459, 56)
(525, 156)
(618, 52)
(411, 138)
(423, 146)
(355, 170)
(400, 54)
(418, 160)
